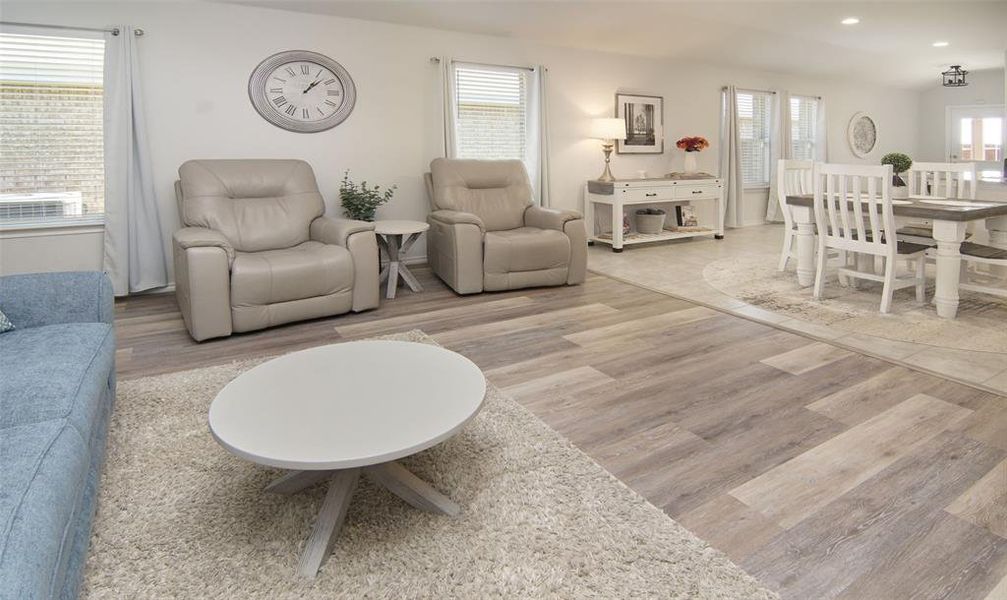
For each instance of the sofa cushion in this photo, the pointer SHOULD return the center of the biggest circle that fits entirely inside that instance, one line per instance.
(55, 371)
(45, 471)
(305, 271)
(525, 249)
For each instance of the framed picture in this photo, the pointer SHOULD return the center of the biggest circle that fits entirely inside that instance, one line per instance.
(644, 116)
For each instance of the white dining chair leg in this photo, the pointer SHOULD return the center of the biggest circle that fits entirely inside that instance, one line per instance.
(889, 288)
(788, 249)
(820, 271)
(921, 279)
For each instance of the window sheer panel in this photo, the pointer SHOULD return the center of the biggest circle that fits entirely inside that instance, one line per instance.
(492, 112)
(754, 126)
(51, 155)
(803, 119)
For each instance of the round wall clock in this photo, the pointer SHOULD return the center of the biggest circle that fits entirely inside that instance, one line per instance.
(302, 91)
(862, 134)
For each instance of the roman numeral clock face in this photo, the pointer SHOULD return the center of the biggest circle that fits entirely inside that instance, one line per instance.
(302, 91)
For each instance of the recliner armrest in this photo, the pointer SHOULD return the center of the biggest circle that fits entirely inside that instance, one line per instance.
(203, 237)
(454, 217)
(359, 239)
(549, 218)
(337, 231)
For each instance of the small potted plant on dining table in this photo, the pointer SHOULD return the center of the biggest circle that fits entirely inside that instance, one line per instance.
(691, 145)
(900, 164)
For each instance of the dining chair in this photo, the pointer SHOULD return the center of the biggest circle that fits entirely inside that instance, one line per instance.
(959, 182)
(940, 181)
(984, 255)
(848, 225)
(793, 178)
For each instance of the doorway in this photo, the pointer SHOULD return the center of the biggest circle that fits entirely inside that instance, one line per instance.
(976, 134)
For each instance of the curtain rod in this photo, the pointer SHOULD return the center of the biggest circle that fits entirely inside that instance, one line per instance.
(724, 89)
(113, 31)
(437, 60)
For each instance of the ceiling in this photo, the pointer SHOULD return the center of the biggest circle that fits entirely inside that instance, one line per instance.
(891, 44)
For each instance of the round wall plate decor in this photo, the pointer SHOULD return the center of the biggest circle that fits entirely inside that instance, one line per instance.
(302, 91)
(862, 134)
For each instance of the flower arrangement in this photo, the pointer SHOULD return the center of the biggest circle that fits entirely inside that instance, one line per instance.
(693, 144)
(359, 201)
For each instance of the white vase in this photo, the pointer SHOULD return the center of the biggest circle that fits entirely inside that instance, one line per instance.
(690, 162)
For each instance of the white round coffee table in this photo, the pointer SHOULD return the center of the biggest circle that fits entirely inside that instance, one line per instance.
(335, 411)
(396, 238)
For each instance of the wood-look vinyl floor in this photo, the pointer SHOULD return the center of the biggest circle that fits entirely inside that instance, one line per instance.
(823, 472)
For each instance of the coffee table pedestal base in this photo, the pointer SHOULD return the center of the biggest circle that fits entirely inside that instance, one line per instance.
(391, 475)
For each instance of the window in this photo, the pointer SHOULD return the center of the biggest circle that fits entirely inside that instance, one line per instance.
(754, 110)
(51, 167)
(803, 121)
(492, 112)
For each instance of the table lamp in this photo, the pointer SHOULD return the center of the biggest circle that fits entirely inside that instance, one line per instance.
(607, 130)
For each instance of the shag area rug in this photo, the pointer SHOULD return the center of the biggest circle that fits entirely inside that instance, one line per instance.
(981, 324)
(179, 517)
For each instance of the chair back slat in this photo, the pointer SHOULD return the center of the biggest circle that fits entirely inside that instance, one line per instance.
(942, 180)
(856, 202)
(793, 179)
(858, 210)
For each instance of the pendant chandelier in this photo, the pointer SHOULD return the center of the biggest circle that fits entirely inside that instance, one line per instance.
(954, 77)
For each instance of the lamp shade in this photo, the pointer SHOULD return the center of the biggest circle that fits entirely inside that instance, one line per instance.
(608, 129)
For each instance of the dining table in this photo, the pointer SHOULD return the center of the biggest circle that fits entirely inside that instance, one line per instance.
(950, 218)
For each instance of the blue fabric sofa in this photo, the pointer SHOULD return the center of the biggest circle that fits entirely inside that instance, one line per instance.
(57, 384)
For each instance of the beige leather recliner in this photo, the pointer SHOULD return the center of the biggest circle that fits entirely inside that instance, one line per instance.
(487, 235)
(256, 250)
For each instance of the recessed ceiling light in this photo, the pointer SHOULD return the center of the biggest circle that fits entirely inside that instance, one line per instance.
(940, 44)
(850, 21)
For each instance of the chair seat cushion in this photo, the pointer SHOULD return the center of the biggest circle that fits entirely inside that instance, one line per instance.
(304, 271)
(525, 249)
(55, 371)
(911, 248)
(921, 230)
(982, 251)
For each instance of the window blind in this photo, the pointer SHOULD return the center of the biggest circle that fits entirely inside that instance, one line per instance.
(803, 121)
(754, 111)
(51, 155)
(492, 112)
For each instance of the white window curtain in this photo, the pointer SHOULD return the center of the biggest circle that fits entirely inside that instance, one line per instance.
(494, 112)
(134, 252)
(537, 160)
(730, 157)
(821, 133)
(781, 148)
(801, 135)
(449, 106)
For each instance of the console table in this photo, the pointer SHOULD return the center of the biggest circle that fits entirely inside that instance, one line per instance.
(618, 194)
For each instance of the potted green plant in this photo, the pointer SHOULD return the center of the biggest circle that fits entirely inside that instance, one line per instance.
(359, 201)
(900, 164)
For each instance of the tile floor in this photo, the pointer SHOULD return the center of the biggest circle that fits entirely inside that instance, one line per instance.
(676, 268)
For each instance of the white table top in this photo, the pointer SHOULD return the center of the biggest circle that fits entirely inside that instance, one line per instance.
(400, 227)
(347, 405)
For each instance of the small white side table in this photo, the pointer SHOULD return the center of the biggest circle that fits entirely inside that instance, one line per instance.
(397, 237)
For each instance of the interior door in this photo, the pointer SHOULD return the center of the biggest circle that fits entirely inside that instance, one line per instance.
(976, 134)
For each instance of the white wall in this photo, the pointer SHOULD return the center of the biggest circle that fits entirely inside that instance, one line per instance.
(985, 87)
(197, 57)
